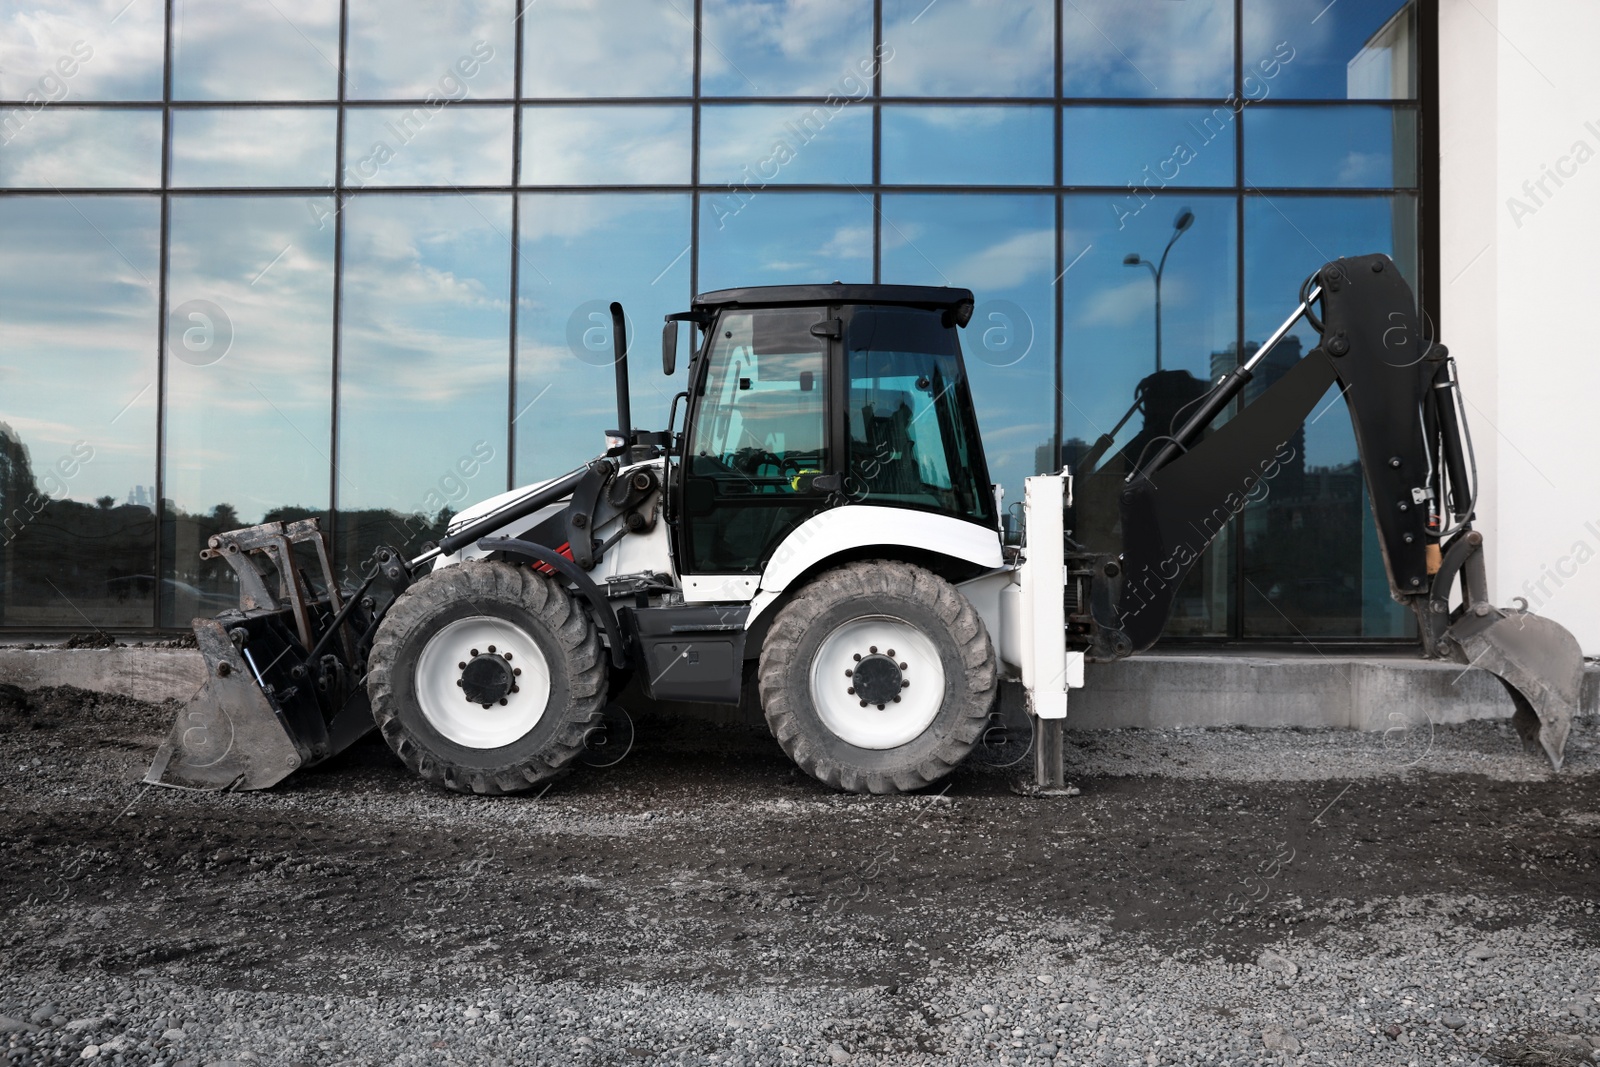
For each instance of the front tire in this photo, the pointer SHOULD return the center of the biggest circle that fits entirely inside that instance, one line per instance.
(486, 677)
(878, 677)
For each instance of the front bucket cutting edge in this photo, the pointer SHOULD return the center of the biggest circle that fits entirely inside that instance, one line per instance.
(228, 736)
(1538, 661)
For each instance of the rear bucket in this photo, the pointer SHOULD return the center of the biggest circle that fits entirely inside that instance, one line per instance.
(1540, 664)
(228, 736)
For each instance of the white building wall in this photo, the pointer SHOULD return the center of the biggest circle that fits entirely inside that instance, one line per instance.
(1519, 103)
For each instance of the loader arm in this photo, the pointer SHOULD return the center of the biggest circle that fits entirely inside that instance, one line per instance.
(1415, 455)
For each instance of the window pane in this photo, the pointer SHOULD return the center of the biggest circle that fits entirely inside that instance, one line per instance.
(758, 144)
(1003, 249)
(787, 48)
(77, 464)
(968, 145)
(1147, 48)
(253, 146)
(427, 146)
(1351, 50)
(779, 238)
(1111, 366)
(82, 148)
(1312, 565)
(606, 145)
(254, 50)
(1147, 147)
(250, 342)
(968, 48)
(578, 253)
(424, 364)
(415, 49)
(1350, 147)
(619, 48)
(81, 50)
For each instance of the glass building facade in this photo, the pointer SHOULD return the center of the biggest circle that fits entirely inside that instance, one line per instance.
(265, 259)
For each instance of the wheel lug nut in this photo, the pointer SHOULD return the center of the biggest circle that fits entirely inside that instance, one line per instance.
(905, 685)
(516, 670)
(873, 650)
(514, 689)
(507, 655)
(486, 707)
(880, 707)
(896, 700)
(474, 652)
(462, 665)
(858, 657)
(863, 703)
(502, 701)
(848, 673)
(851, 691)
(491, 650)
(904, 667)
(890, 653)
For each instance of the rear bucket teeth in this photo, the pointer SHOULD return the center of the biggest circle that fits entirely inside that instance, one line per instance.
(1538, 661)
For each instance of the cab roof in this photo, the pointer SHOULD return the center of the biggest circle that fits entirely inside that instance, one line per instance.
(935, 297)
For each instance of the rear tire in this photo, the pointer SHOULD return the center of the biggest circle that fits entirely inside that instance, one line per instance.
(878, 677)
(486, 677)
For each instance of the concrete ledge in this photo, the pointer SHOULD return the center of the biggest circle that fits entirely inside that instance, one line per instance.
(152, 674)
(1167, 690)
(1156, 690)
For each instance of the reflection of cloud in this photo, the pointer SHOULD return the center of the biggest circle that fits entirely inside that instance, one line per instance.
(612, 146)
(404, 50)
(1119, 305)
(255, 50)
(126, 58)
(849, 242)
(609, 48)
(1134, 49)
(84, 148)
(253, 146)
(1009, 263)
(776, 44)
(455, 145)
(1364, 168)
(998, 47)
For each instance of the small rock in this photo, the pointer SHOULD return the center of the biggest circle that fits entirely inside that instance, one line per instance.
(173, 1034)
(1278, 1039)
(1481, 953)
(1393, 1030)
(473, 1013)
(1046, 979)
(1272, 961)
(9, 1025)
(82, 1024)
(1454, 1022)
(43, 1013)
(585, 1040)
(837, 1054)
(1092, 1022)
(1046, 1049)
(89, 1052)
(989, 1010)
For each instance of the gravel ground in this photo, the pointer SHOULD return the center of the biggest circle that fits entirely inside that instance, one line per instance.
(1425, 896)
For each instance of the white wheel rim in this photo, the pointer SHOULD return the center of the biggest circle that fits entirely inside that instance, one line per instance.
(898, 723)
(446, 706)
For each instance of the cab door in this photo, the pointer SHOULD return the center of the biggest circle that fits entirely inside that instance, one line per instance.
(757, 437)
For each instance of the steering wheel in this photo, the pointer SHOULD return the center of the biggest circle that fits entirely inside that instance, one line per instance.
(749, 461)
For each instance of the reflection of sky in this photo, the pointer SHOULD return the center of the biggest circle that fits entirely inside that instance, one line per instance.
(1289, 238)
(122, 41)
(255, 50)
(1325, 37)
(251, 429)
(968, 48)
(615, 48)
(1003, 249)
(571, 270)
(779, 238)
(783, 48)
(1118, 48)
(409, 49)
(1343, 147)
(253, 146)
(78, 308)
(453, 145)
(1110, 307)
(84, 148)
(1165, 146)
(425, 345)
(968, 145)
(606, 145)
(782, 144)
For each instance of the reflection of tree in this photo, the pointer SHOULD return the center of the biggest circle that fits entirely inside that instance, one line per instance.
(66, 564)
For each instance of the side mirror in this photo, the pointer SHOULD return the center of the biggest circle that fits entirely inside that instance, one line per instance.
(669, 347)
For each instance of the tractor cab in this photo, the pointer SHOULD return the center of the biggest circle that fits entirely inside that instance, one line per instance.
(809, 397)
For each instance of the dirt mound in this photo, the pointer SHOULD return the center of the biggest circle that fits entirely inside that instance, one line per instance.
(67, 705)
(98, 639)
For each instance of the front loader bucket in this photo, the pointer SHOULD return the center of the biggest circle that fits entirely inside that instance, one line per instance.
(1537, 660)
(228, 736)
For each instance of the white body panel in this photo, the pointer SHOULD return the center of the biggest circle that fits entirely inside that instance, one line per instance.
(1048, 669)
(632, 554)
(855, 526)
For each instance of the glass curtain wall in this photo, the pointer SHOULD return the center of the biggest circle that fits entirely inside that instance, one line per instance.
(353, 259)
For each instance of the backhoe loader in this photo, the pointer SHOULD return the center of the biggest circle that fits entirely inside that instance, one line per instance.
(824, 520)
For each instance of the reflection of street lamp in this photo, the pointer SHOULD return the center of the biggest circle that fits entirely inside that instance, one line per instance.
(1184, 220)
